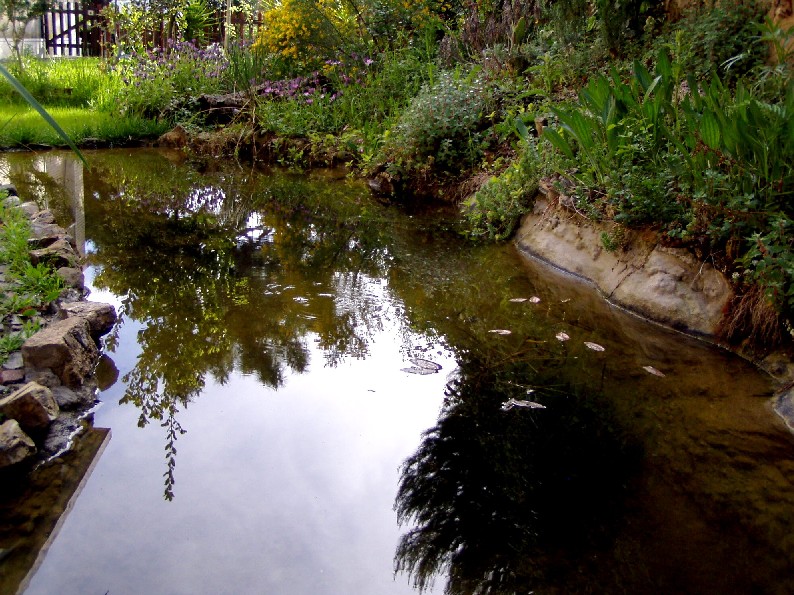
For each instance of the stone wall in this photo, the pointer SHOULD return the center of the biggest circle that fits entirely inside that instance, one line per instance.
(47, 387)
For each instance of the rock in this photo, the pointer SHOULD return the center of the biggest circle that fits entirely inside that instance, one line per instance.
(69, 399)
(15, 445)
(72, 276)
(69, 296)
(44, 376)
(58, 254)
(32, 406)
(100, 317)
(665, 285)
(14, 362)
(29, 208)
(222, 109)
(45, 234)
(784, 407)
(175, 138)
(62, 432)
(66, 348)
(381, 184)
(11, 376)
(673, 288)
(13, 197)
(43, 217)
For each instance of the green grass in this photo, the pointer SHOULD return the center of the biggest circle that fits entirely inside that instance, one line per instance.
(36, 285)
(62, 82)
(20, 126)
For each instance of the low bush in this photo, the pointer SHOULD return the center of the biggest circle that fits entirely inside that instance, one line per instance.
(34, 287)
(165, 83)
(496, 208)
(441, 130)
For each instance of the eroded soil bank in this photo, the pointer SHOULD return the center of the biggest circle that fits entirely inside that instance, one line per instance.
(665, 285)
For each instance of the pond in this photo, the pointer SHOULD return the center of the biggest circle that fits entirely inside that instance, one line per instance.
(311, 392)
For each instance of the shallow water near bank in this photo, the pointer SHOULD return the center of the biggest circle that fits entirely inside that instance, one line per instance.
(268, 428)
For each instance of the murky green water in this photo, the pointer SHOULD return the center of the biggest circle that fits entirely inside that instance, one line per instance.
(268, 429)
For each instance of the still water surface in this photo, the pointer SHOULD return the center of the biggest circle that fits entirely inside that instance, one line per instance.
(268, 429)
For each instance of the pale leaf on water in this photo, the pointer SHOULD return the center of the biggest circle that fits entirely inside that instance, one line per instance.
(518, 300)
(562, 336)
(501, 331)
(534, 299)
(418, 370)
(593, 346)
(510, 403)
(425, 363)
(654, 371)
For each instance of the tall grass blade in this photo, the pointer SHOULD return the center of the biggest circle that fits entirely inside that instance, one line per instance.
(43, 112)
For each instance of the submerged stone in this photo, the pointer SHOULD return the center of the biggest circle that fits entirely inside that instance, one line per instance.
(784, 407)
(15, 445)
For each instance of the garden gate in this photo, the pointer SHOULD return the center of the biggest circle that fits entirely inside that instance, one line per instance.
(75, 28)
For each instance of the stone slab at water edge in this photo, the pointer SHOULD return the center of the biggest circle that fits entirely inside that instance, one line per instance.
(663, 284)
(48, 386)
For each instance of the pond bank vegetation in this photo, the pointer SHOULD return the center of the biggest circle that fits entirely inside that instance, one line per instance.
(681, 123)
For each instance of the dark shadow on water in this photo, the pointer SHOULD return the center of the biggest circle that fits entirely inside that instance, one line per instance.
(494, 493)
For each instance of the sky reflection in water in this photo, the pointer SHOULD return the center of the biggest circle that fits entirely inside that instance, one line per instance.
(269, 318)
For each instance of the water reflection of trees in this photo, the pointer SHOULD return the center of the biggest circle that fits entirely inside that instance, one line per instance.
(491, 492)
(230, 272)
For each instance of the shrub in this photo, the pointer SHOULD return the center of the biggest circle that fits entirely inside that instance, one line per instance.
(710, 165)
(721, 39)
(306, 31)
(494, 211)
(440, 129)
(166, 82)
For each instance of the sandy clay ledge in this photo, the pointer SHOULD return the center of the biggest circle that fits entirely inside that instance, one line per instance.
(665, 285)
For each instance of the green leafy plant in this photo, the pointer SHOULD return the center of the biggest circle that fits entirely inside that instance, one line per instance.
(14, 234)
(9, 343)
(440, 128)
(496, 208)
(40, 280)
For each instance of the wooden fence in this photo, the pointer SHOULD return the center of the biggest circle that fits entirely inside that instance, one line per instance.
(75, 29)
(79, 29)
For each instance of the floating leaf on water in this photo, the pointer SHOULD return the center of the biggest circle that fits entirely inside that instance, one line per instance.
(565, 301)
(593, 346)
(654, 371)
(534, 299)
(501, 331)
(425, 363)
(510, 403)
(418, 370)
(518, 300)
(561, 336)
